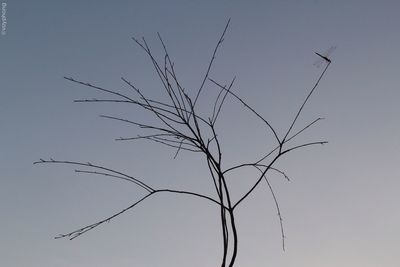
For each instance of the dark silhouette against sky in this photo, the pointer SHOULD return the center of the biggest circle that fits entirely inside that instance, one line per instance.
(340, 208)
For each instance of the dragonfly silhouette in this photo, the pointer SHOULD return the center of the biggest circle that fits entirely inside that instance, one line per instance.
(324, 58)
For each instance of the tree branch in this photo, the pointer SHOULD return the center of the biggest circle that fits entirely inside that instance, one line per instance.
(277, 209)
(249, 108)
(221, 39)
(74, 234)
(90, 165)
(306, 100)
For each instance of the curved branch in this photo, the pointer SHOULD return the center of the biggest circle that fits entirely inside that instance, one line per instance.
(81, 231)
(249, 108)
(304, 145)
(257, 182)
(99, 88)
(104, 174)
(277, 208)
(190, 193)
(88, 164)
(256, 165)
(287, 140)
(74, 234)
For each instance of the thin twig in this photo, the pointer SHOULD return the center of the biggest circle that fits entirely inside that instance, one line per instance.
(214, 119)
(221, 39)
(74, 234)
(249, 108)
(306, 100)
(288, 139)
(99, 88)
(277, 209)
(88, 164)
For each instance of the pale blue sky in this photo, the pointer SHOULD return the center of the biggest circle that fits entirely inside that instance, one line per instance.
(341, 207)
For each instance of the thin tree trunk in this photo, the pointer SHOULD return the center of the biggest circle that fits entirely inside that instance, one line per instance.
(235, 238)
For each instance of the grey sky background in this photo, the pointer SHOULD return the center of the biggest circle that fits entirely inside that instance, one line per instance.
(341, 207)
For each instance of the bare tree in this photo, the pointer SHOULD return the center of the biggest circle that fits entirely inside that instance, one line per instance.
(181, 127)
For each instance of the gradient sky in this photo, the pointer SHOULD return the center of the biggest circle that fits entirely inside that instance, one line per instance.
(341, 207)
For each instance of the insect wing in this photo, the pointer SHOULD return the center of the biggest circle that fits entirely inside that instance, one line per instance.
(321, 61)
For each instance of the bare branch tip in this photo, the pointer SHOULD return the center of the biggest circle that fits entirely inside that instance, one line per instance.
(40, 161)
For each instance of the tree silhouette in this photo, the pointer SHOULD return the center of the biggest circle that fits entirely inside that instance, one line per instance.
(182, 128)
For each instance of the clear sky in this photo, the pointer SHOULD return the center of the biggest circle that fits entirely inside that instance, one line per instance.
(341, 206)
